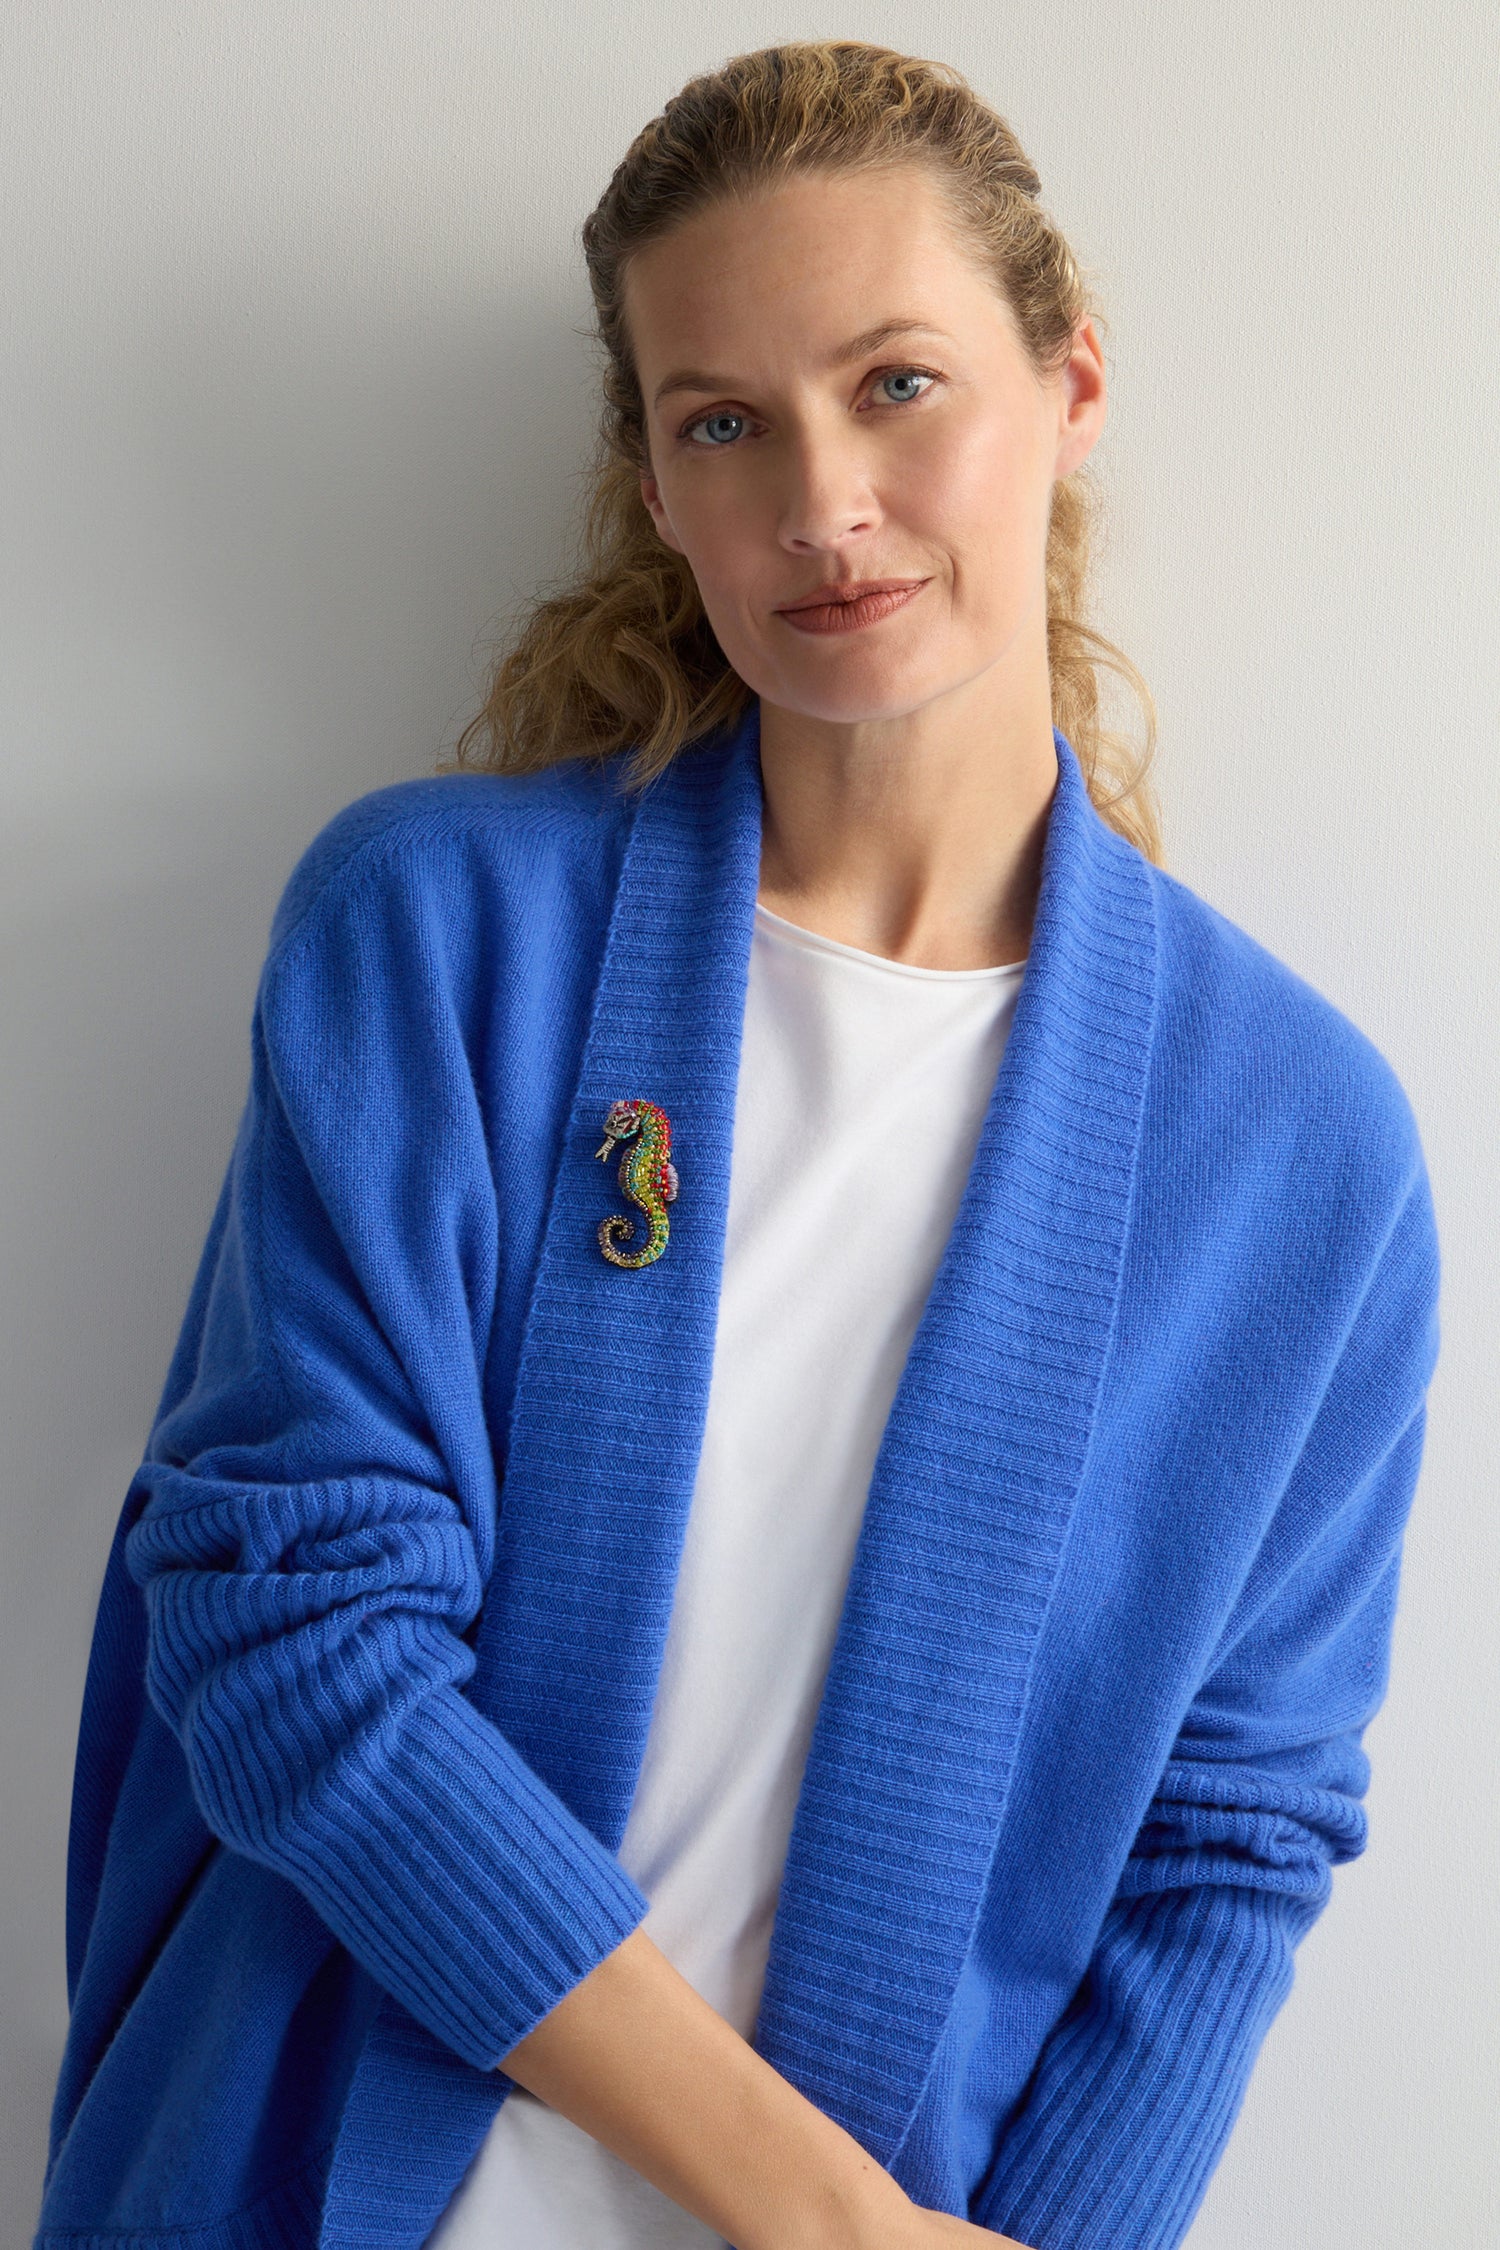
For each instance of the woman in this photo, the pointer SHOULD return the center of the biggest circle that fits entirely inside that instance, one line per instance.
(803, 1688)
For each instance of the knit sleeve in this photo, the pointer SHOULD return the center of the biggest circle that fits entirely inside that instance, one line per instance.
(315, 1516)
(1128, 2110)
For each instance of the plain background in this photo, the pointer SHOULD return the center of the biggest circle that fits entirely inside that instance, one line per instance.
(293, 404)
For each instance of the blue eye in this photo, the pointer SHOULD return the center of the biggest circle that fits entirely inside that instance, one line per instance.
(903, 376)
(722, 429)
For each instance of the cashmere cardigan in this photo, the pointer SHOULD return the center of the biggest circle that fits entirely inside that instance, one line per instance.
(381, 1626)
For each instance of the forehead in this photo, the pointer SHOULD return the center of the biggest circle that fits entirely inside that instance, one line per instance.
(811, 262)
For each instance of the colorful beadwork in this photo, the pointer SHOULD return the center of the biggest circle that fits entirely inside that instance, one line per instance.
(647, 1175)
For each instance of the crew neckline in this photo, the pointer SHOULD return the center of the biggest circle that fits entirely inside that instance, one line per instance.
(815, 942)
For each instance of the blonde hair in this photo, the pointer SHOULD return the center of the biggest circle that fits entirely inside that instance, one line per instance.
(624, 656)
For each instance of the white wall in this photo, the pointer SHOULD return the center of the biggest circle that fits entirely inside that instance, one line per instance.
(293, 401)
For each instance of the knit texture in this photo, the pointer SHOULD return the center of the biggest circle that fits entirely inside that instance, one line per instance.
(381, 1628)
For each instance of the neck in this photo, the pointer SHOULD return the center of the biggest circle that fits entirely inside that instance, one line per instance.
(918, 837)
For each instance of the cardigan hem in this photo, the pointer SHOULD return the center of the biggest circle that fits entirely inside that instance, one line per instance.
(286, 2218)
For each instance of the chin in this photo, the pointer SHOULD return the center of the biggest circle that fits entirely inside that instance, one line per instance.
(866, 694)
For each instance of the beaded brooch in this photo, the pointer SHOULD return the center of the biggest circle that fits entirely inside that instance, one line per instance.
(648, 1178)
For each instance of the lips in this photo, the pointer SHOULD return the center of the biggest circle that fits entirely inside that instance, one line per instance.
(847, 608)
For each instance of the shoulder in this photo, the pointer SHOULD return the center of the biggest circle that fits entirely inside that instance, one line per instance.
(432, 846)
(1262, 1075)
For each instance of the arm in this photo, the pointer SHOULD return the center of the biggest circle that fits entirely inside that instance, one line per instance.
(636, 2057)
(312, 1536)
(315, 1516)
(1137, 2087)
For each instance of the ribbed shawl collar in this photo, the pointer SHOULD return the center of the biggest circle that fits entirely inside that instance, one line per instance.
(906, 1781)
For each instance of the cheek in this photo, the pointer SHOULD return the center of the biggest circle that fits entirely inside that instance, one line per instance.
(720, 527)
(980, 497)
(972, 485)
(728, 539)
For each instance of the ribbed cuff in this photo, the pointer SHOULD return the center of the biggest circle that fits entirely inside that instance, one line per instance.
(1137, 2091)
(455, 1876)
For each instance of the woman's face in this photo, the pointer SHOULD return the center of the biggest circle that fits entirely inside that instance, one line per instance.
(836, 396)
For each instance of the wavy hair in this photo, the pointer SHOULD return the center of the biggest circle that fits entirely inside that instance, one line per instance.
(623, 656)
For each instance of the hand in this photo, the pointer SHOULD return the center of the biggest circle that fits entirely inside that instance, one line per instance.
(942, 2228)
(889, 2220)
(939, 2230)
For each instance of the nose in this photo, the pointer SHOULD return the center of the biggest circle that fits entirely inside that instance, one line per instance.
(827, 501)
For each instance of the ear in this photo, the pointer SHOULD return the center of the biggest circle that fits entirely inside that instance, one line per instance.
(1083, 401)
(656, 509)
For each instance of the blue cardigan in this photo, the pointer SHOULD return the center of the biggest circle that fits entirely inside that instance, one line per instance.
(378, 1640)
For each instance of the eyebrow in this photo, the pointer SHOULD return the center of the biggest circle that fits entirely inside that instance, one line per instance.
(858, 347)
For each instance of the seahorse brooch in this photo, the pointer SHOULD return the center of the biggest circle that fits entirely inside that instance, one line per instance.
(647, 1175)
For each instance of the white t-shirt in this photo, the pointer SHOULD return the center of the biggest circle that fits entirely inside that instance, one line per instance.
(862, 1086)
